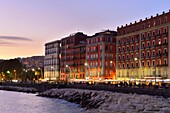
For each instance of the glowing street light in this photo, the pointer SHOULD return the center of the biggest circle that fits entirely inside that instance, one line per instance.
(86, 64)
(15, 74)
(67, 66)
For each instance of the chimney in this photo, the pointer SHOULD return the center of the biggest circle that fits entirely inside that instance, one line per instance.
(135, 22)
(157, 14)
(126, 25)
(146, 18)
(140, 20)
(131, 23)
(121, 26)
(151, 16)
(163, 12)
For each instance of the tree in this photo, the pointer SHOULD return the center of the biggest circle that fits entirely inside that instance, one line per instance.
(11, 68)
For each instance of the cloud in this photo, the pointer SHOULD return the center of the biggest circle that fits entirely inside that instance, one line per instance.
(12, 40)
(15, 38)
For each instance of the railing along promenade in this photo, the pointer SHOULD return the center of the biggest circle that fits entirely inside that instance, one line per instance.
(163, 91)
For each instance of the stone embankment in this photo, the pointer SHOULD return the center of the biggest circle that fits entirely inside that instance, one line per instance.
(109, 102)
(18, 89)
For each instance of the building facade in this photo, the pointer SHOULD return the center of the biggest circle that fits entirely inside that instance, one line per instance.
(72, 51)
(143, 48)
(101, 56)
(52, 61)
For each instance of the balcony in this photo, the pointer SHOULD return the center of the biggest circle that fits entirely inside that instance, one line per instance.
(142, 48)
(158, 55)
(137, 40)
(153, 37)
(147, 38)
(159, 35)
(142, 38)
(148, 57)
(165, 44)
(165, 34)
(165, 54)
(162, 65)
(94, 50)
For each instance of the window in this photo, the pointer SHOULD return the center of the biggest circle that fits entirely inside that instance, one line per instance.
(137, 64)
(143, 35)
(159, 21)
(119, 49)
(154, 23)
(148, 63)
(165, 61)
(153, 53)
(165, 50)
(143, 54)
(137, 46)
(123, 48)
(148, 53)
(149, 24)
(119, 57)
(153, 33)
(132, 64)
(132, 38)
(123, 65)
(127, 56)
(143, 63)
(127, 65)
(153, 42)
(132, 56)
(143, 44)
(148, 43)
(153, 63)
(137, 55)
(159, 32)
(159, 51)
(143, 26)
(132, 47)
(159, 62)
(165, 30)
(165, 19)
(127, 47)
(148, 34)
(123, 57)
(165, 40)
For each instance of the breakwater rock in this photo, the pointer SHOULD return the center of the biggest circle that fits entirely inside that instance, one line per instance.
(18, 89)
(109, 102)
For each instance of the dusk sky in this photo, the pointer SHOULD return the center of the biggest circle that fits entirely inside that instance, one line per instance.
(26, 25)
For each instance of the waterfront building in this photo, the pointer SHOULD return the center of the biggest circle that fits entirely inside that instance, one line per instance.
(72, 55)
(52, 61)
(143, 48)
(101, 56)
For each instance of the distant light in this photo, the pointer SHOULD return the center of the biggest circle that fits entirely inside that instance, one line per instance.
(8, 72)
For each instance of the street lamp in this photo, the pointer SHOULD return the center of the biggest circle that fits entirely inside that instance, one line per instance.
(33, 70)
(136, 59)
(15, 74)
(51, 73)
(67, 66)
(111, 62)
(87, 77)
(41, 74)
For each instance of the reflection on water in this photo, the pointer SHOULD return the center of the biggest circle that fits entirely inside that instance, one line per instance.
(15, 102)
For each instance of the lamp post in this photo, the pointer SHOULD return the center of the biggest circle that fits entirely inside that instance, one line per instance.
(86, 64)
(15, 74)
(67, 66)
(111, 62)
(51, 73)
(41, 73)
(136, 59)
(33, 70)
